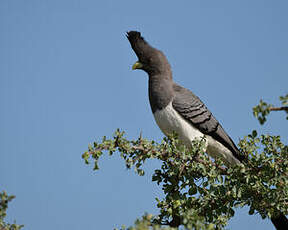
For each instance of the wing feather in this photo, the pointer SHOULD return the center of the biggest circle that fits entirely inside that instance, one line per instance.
(191, 108)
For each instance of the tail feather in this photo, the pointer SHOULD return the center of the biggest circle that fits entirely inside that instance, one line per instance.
(280, 222)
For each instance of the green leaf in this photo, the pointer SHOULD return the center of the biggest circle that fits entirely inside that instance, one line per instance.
(192, 190)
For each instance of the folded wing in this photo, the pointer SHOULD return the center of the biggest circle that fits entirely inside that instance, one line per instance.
(191, 108)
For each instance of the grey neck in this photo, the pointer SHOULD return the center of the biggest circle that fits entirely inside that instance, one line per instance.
(160, 91)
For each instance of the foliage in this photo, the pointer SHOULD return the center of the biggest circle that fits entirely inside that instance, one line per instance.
(4, 200)
(194, 185)
(145, 223)
(263, 109)
(200, 192)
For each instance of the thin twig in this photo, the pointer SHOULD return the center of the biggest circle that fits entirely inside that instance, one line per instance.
(285, 108)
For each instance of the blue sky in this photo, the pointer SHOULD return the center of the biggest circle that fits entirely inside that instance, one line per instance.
(66, 80)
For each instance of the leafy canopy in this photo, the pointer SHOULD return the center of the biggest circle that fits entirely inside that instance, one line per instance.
(200, 192)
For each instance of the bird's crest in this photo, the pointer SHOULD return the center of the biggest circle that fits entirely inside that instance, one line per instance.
(142, 49)
(134, 36)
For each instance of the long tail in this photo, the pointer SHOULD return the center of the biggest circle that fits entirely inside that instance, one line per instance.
(280, 222)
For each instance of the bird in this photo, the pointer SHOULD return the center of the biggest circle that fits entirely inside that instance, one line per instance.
(178, 110)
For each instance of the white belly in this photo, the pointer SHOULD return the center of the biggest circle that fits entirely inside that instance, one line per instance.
(169, 121)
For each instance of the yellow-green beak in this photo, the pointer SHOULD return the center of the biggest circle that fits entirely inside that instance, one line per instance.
(137, 65)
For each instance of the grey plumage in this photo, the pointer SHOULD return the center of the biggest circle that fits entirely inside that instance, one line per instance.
(178, 109)
(194, 110)
(163, 90)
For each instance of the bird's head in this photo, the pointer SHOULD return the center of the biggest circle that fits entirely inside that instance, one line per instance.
(150, 60)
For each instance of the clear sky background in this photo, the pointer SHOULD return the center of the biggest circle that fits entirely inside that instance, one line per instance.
(66, 80)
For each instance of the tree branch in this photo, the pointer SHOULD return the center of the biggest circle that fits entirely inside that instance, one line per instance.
(285, 108)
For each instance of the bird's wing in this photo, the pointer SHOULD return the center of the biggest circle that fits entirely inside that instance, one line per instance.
(191, 108)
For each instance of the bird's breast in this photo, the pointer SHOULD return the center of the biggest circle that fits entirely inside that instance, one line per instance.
(169, 121)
